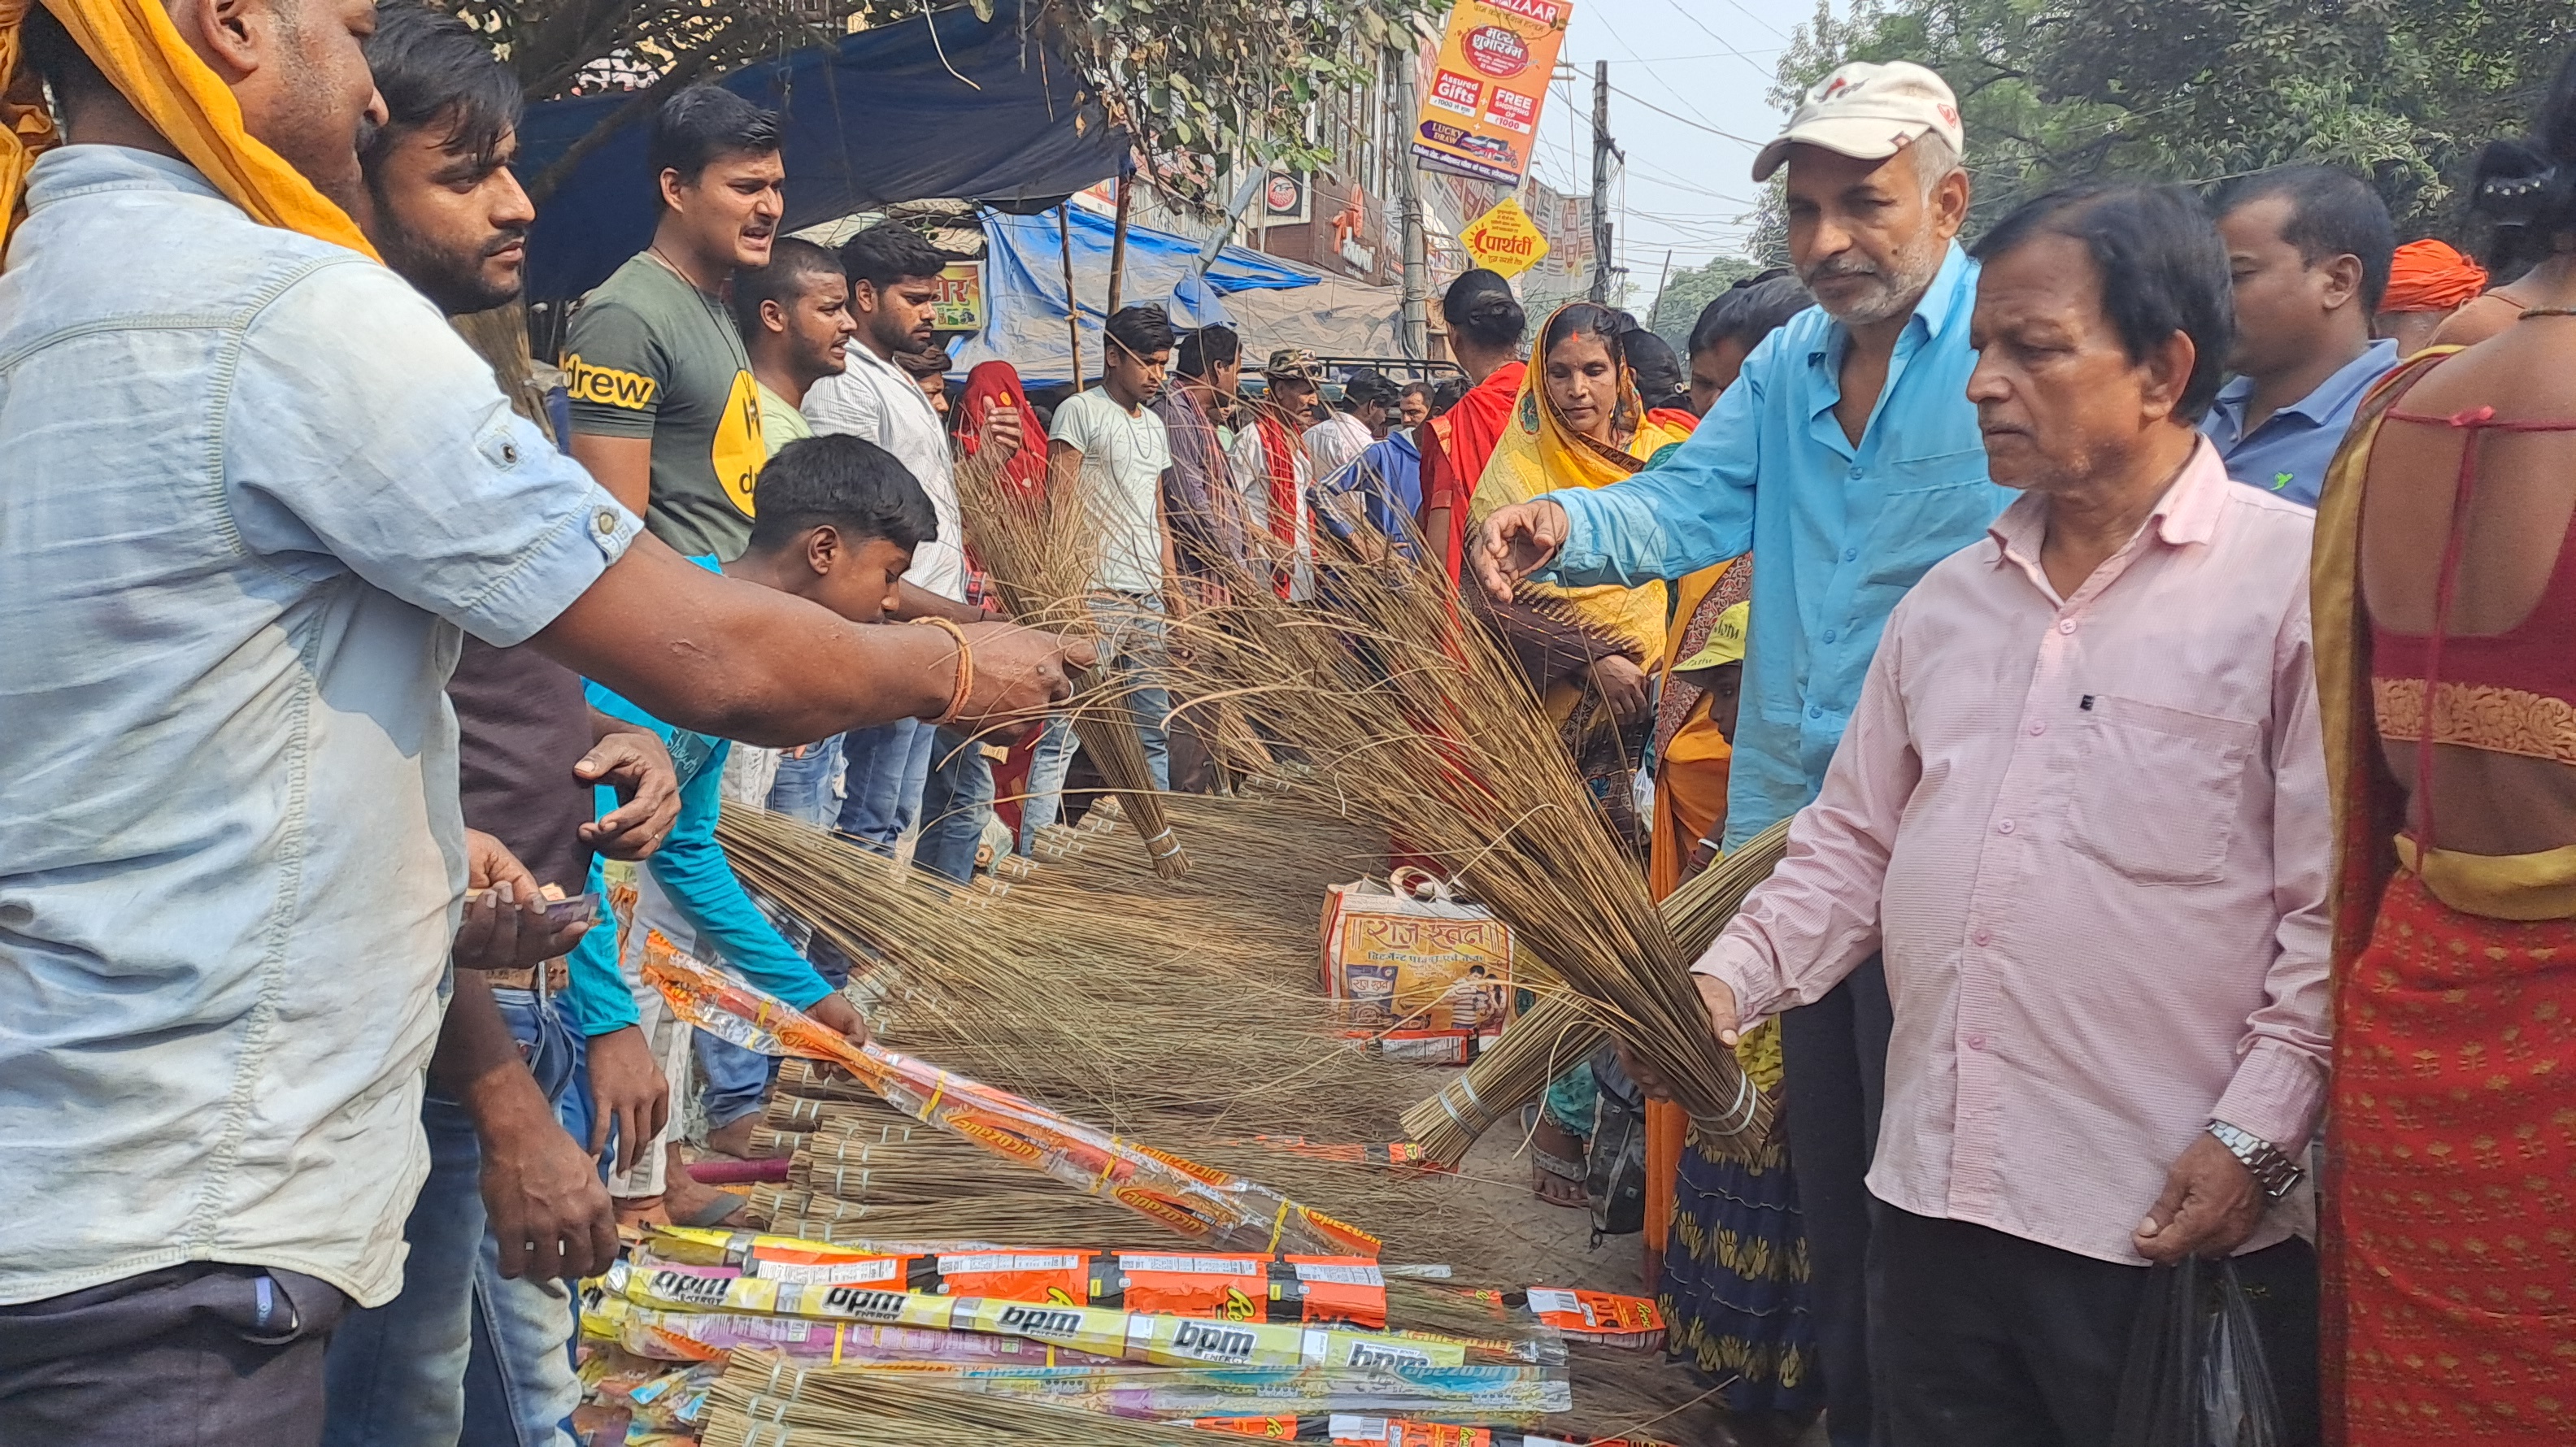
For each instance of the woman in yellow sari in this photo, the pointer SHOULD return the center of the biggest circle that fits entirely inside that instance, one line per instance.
(1578, 422)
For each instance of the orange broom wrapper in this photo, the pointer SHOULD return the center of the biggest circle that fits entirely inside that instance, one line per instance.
(1195, 1201)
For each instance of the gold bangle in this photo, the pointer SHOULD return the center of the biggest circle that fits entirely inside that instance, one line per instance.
(965, 669)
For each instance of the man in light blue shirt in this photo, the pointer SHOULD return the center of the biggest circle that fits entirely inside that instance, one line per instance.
(1847, 459)
(2309, 248)
(248, 505)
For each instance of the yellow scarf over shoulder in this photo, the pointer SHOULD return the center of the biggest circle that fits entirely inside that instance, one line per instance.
(1539, 453)
(135, 45)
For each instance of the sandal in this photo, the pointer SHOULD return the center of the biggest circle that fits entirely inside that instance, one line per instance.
(1555, 1176)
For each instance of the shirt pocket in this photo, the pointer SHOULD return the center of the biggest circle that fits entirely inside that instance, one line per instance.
(2157, 789)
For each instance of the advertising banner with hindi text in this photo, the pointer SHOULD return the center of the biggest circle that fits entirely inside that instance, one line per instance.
(1482, 96)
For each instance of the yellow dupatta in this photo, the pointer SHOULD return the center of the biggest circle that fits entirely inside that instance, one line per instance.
(1539, 453)
(135, 45)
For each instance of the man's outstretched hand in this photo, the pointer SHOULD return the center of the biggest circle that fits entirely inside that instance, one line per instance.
(1515, 543)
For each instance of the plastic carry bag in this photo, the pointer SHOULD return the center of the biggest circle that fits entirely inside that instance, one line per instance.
(2196, 1375)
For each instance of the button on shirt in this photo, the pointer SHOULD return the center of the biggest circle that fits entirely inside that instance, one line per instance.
(2288, 454)
(881, 402)
(1839, 532)
(249, 503)
(2090, 835)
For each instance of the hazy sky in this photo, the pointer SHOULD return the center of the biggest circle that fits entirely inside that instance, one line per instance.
(1685, 76)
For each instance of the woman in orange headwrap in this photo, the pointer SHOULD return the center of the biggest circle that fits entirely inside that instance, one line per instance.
(2428, 281)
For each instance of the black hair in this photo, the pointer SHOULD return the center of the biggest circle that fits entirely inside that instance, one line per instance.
(1415, 388)
(1750, 310)
(1142, 330)
(1661, 377)
(837, 480)
(48, 49)
(1365, 386)
(1446, 393)
(702, 123)
(2526, 188)
(433, 69)
(889, 252)
(1585, 319)
(2160, 265)
(2332, 213)
(1207, 348)
(1480, 307)
(924, 364)
(792, 259)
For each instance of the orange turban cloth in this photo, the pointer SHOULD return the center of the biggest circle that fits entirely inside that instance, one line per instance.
(134, 44)
(2429, 276)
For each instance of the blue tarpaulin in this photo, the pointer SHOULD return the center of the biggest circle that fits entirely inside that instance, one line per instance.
(880, 118)
(1024, 288)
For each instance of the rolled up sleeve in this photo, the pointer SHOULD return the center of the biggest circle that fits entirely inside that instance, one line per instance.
(403, 463)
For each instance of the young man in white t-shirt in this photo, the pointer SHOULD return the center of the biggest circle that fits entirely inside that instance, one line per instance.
(904, 771)
(1109, 444)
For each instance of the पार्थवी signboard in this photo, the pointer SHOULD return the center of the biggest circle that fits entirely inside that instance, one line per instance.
(1481, 100)
(960, 307)
(1504, 240)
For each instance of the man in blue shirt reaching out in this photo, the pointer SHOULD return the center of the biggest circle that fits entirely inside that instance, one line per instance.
(1846, 458)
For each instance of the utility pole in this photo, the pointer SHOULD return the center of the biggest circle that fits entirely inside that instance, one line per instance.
(1602, 151)
(1415, 339)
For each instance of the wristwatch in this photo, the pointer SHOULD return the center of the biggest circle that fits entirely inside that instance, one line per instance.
(2274, 1172)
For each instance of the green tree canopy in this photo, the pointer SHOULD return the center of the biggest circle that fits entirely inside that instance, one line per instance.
(1688, 291)
(2403, 92)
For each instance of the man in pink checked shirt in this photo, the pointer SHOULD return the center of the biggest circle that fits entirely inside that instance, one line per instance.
(2082, 810)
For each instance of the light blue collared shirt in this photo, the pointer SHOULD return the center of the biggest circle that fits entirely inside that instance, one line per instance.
(2289, 453)
(1837, 532)
(251, 487)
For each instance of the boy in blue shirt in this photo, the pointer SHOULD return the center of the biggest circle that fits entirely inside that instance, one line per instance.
(836, 522)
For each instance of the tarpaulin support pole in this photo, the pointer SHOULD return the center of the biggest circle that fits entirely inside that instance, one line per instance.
(1072, 308)
(1118, 245)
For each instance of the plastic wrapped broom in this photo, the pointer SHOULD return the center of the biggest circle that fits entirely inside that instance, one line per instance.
(1198, 1202)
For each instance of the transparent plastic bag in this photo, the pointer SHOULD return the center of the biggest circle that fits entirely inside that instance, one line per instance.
(2196, 1375)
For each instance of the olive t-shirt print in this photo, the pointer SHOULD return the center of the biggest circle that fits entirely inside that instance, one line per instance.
(651, 356)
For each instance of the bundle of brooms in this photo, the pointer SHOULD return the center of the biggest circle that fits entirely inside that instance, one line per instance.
(1041, 551)
(1416, 718)
(1560, 1031)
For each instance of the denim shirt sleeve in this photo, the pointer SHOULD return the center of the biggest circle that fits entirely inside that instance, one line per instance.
(401, 461)
(1691, 507)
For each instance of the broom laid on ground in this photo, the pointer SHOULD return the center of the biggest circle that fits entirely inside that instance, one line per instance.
(1559, 1031)
(1041, 551)
(1419, 721)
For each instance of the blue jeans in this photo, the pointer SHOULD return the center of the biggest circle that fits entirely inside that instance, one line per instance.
(954, 807)
(465, 1354)
(803, 788)
(736, 1079)
(881, 793)
(1047, 766)
(1132, 640)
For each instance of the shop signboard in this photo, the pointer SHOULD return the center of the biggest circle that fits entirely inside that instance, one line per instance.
(1483, 93)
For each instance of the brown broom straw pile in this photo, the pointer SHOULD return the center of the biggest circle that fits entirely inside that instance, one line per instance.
(1138, 1011)
(1560, 1031)
(1041, 551)
(762, 1401)
(1422, 722)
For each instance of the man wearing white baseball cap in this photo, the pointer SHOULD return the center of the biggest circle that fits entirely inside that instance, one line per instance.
(1847, 459)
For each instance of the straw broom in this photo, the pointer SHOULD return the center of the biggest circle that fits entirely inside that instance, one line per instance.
(762, 1401)
(1560, 1031)
(1040, 552)
(1424, 725)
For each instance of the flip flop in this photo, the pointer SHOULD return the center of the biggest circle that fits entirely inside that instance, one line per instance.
(718, 1211)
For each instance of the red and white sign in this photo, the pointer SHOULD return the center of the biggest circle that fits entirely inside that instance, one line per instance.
(1512, 111)
(1451, 91)
(1498, 51)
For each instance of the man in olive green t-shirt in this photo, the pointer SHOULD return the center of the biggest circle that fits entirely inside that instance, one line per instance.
(665, 413)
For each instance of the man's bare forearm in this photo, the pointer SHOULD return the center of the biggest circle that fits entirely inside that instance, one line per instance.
(741, 661)
(922, 603)
(473, 1043)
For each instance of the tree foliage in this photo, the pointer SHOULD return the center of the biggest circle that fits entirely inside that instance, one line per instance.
(1194, 81)
(1689, 291)
(2401, 91)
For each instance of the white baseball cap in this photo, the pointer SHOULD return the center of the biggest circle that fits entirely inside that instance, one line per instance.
(1869, 112)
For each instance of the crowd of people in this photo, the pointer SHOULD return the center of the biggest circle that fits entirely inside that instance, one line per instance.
(2128, 582)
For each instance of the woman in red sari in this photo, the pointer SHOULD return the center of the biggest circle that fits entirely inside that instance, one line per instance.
(1485, 327)
(2445, 609)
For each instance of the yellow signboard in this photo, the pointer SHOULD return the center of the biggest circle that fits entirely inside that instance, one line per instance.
(1481, 98)
(1504, 239)
(960, 307)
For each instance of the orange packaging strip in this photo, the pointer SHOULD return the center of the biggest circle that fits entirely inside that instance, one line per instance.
(1216, 1208)
(1597, 1316)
